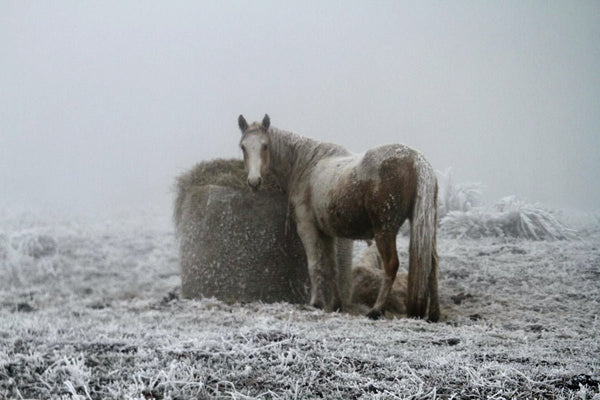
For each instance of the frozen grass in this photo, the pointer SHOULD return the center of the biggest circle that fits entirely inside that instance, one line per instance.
(585, 224)
(456, 196)
(90, 310)
(510, 217)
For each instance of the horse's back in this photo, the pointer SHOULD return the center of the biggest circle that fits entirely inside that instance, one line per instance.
(390, 155)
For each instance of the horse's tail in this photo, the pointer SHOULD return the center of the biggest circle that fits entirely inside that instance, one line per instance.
(422, 270)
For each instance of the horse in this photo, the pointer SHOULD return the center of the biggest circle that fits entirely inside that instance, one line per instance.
(334, 193)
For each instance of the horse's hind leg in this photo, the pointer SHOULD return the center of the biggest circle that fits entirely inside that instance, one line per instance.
(386, 244)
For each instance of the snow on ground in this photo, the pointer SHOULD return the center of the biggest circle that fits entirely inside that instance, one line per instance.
(89, 308)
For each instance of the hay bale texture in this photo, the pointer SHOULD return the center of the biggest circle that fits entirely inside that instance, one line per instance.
(240, 246)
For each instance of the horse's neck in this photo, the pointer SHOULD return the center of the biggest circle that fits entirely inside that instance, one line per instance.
(286, 149)
(293, 156)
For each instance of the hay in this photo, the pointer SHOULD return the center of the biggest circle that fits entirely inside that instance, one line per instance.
(220, 172)
(234, 246)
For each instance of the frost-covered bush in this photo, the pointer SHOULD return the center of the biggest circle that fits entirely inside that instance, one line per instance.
(34, 244)
(456, 196)
(510, 217)
(27, 256)
(5, 247)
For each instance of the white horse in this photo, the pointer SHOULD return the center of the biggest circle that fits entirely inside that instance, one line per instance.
(335, 193)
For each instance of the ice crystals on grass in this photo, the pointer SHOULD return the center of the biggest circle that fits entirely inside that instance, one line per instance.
(510, 217)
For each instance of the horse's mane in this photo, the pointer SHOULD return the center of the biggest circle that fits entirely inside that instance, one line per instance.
(295, 154)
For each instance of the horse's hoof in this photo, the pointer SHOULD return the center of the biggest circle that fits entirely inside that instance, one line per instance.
(434, 317)
(374, 314)
(317, 304)
(337, 307)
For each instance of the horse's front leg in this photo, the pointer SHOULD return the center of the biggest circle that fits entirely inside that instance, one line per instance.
(314, 257)
(320, 255)
(330, 270)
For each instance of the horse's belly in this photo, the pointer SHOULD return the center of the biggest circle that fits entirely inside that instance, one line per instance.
(338, 204)
(346, 215)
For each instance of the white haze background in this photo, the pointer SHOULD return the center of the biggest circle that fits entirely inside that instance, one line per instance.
(102, 104)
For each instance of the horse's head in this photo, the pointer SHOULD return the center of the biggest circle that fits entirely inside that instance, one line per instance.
(255, 146)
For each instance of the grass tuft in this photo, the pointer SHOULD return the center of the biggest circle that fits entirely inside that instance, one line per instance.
(510, 217)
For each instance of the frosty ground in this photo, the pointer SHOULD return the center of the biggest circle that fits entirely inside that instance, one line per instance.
(90, 308)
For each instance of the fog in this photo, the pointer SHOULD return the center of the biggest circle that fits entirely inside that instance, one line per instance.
(103, 104)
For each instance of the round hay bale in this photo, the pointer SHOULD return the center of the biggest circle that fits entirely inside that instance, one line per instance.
(240, 246)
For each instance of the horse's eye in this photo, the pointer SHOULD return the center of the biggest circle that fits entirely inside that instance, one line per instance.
(264, 147)
(243, 148)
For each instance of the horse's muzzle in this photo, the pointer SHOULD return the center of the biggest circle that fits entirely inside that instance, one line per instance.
(254, 184)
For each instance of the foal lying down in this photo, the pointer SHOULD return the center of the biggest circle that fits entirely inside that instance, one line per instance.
(367, 276)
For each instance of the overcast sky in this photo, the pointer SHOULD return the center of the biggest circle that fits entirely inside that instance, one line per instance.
(103, 103)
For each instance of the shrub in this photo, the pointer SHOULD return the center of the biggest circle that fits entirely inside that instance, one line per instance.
(456, 197)
(510, 217)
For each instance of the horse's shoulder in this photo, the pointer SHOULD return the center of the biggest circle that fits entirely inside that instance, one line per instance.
(300, 193)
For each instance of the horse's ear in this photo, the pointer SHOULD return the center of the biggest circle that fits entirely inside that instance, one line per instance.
(266, 122)
(242, 123)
